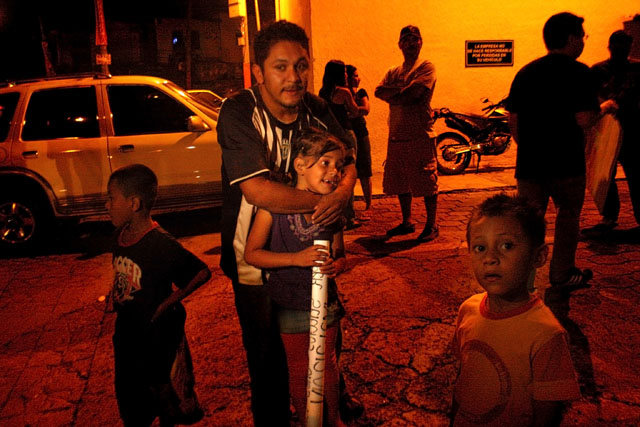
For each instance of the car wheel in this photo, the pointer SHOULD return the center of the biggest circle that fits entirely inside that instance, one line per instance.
(23, 222)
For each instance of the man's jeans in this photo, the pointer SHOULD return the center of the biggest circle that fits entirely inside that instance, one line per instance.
(568, 196)
(265, 356)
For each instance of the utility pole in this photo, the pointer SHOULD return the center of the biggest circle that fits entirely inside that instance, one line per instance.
(257, 15)
(246, 58)
(48, 66)
(238, 8)
(103, 59)
(188, 47)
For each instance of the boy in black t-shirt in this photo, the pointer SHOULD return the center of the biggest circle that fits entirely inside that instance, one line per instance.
(149, 332)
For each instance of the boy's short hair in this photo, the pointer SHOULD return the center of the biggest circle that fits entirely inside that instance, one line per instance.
(274, 33)
(620, 37)
(137, 180)
(559, 27)
(530, 217)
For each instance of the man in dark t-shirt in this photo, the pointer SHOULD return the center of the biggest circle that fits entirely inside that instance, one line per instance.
(618, 82)
(552, 102)
(255, 130)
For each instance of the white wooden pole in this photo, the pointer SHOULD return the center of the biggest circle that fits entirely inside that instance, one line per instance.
(317, 337)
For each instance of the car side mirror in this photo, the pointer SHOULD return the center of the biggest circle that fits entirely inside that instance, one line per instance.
(196, 124)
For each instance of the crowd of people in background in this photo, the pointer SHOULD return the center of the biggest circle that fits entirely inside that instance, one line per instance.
(291, 160)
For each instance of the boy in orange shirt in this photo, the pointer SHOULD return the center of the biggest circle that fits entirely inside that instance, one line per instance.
(515, 366)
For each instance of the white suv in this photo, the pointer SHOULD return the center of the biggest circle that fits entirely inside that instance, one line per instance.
(60, 139)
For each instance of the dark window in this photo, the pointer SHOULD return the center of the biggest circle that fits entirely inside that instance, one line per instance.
(62, 113)
(8, 102)
(144, 109)
(195, 40)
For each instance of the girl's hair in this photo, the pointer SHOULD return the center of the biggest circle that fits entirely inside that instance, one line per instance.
(333, 76)
(314, 143)
(350, 70)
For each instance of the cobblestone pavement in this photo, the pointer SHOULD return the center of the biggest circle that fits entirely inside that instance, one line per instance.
(401, 300)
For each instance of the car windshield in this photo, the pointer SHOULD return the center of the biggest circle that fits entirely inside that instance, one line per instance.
(207, 96)
(206, 107)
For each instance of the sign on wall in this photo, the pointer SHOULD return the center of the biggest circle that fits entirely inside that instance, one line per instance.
(488, 53)
(237, 8)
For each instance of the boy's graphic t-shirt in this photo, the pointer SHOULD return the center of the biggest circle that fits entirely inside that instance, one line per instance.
(127, 279)
(507, 361)
(144, 272)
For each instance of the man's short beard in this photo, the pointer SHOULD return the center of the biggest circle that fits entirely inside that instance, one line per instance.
(291, 107)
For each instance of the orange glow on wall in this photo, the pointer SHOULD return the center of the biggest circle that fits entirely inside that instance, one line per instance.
(365, 33)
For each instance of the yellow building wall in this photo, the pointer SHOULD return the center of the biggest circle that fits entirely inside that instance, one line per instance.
(365, 34)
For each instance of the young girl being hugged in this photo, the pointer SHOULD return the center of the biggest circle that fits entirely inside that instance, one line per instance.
(282, 244)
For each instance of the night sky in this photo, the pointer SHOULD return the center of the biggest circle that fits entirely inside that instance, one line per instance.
(20, 37)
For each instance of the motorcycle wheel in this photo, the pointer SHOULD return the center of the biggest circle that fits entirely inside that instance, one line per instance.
(450, 164)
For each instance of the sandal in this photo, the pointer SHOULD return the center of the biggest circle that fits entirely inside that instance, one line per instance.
(364, 216)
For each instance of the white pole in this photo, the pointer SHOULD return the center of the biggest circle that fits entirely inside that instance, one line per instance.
(317, 337)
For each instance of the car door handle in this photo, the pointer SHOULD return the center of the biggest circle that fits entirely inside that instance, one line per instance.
(126, 148)
(30, 154)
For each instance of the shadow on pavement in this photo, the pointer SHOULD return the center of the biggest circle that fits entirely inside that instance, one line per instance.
(216, 250)
(69, 237)
(379, 246)
(486, 169)
(192, 223)
(613, 237)
(558, 301)
(91, 239)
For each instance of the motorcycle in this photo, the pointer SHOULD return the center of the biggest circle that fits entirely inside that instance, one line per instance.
(486, 134)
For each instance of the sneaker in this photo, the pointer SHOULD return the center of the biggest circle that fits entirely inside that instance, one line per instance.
(577, 278)
(401, 229)
(428, 234)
